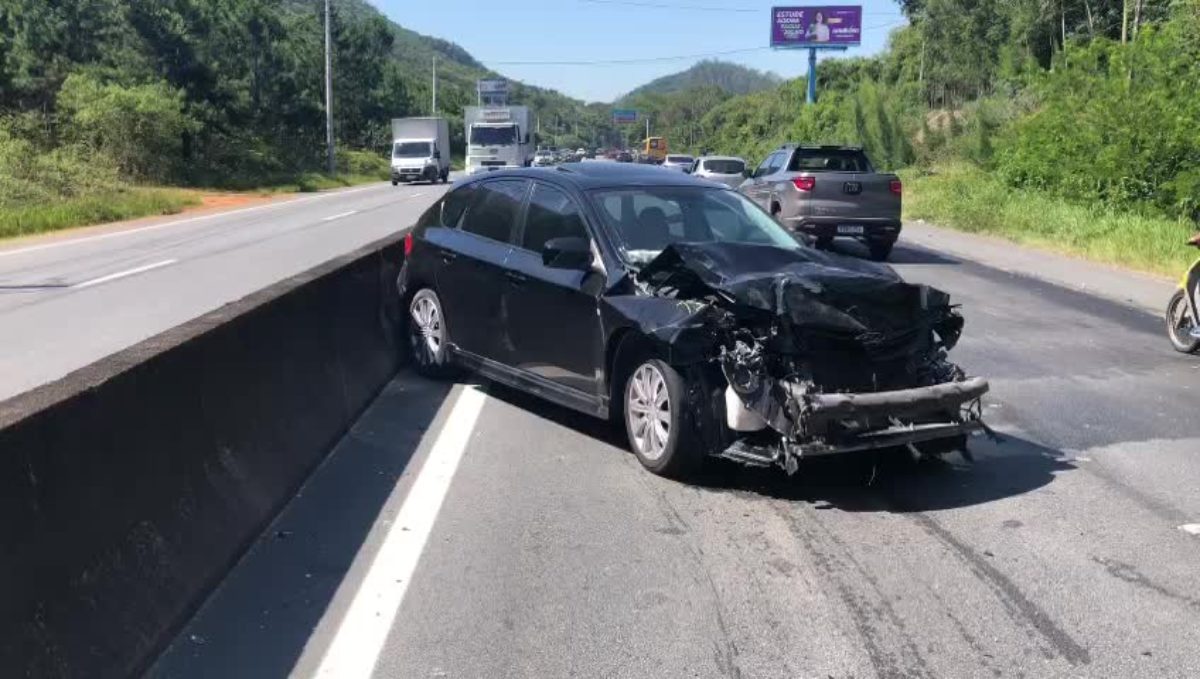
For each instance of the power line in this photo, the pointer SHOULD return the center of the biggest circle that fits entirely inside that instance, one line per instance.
(697, 8)
(615, 62)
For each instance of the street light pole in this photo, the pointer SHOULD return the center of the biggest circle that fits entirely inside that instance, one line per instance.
(433, 110)
(328, 93)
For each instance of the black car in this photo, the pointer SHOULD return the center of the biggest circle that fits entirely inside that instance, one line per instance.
(685, 310)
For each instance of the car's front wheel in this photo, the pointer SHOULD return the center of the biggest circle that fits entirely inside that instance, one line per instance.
(427, 334)
(660, 428)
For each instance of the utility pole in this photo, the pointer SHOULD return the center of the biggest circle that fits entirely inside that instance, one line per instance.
(328, 93)
(811, 96)
(433, 110)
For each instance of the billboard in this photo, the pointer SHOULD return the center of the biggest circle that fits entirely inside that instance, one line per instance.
(487, 87)
(624, 115)
(832, 26)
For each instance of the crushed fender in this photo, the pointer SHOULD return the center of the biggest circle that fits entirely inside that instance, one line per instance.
(830, 353)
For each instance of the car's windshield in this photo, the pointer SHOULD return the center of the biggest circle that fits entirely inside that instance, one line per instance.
(494, 135)
(647, 219)
(411, 149)
(724, 166)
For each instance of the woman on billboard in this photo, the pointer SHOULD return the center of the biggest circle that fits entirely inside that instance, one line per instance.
(818, 30)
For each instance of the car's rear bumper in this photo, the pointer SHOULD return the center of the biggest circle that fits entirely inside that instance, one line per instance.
(873, 228)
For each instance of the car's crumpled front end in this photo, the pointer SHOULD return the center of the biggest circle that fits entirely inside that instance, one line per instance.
(804, 353)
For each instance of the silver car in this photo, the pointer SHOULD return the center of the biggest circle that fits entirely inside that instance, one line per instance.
(727, 170)
(679, 162)
(827, 192)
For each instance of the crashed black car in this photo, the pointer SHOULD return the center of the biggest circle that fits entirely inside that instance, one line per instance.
(682, 309)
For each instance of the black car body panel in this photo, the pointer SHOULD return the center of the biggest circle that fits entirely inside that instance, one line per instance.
(826, 353)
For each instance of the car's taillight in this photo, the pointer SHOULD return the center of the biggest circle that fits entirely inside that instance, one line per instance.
(896, 187)
(408, 243)
(805, 183)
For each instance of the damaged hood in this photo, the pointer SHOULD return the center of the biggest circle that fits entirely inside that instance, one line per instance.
(814, 290)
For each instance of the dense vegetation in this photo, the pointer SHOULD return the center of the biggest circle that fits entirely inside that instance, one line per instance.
(730, 78)
(1057, 98)
(100, 95)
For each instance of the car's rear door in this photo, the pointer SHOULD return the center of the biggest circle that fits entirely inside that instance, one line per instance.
(551, 315)
(471, 278)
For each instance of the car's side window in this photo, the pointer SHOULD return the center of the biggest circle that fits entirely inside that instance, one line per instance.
(551, 214)
(779, 158)
(765, 166)
(454, 205)
(493, 212)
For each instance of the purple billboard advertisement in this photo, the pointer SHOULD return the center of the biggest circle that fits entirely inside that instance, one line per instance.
(839, 26)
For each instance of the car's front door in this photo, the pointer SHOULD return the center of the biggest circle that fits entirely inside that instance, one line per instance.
(757, 188)
(552, 320)
(471, 278)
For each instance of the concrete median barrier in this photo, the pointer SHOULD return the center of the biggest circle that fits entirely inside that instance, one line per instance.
(128, 488)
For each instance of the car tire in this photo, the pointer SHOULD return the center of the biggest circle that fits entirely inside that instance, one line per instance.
(880, 250)
(1181, 341)
(395, 182)
(661, 430)
(428, 336)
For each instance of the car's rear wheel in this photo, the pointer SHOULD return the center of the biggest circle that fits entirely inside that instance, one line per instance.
(661, 431)
(880, 249)
(427, 334)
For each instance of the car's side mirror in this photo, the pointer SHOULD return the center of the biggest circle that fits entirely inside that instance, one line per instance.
(567, 252)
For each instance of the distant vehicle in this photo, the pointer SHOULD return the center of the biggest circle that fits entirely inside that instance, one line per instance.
(827, 192)
(684, 311)
(543, 158)
(727, 170)
(420, 149)
(679, 162)
(624, 157)
(581, 152)
(497, 137)
(655, 148)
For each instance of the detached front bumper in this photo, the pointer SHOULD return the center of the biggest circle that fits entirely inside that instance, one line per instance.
(834, 423)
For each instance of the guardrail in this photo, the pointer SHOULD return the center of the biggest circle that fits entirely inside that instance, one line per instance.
(130, 487)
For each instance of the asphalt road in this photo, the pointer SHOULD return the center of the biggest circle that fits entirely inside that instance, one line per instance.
(464, 531)
(67, 302)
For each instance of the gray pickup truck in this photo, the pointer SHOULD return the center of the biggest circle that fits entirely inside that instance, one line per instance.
(827, 192)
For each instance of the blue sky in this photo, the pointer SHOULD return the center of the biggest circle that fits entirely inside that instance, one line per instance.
(501, 32)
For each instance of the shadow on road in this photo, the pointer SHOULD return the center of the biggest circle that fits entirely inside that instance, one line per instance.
(264, 613)
(870, 481)
(901, 254)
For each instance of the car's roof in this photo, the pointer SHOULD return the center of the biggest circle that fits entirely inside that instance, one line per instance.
(740, 160)
(594, 175)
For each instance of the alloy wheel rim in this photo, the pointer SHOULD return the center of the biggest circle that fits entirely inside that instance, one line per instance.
(427, 324)
(648, 408)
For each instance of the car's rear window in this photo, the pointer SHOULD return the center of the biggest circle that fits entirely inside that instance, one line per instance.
(724, 166)
(679, 159)
(829, 160)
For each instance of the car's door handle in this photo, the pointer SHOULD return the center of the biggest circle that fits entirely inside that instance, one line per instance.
(515, 278)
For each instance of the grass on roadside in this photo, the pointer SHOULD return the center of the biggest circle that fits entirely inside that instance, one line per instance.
(22, 220)
(968, 199)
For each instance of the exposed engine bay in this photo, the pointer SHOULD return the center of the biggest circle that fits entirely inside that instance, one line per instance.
(802, 353)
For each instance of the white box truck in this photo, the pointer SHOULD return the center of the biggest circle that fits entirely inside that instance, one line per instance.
(498, 137)
(420, 150)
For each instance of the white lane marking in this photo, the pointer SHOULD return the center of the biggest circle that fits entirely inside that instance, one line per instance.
(415, 195)
(177, 222)
(339, 215)
(122, 274)
(1190, 528)
(359, 639)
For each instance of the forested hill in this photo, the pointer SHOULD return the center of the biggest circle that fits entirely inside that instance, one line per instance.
(196, 91)
(731, 78)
